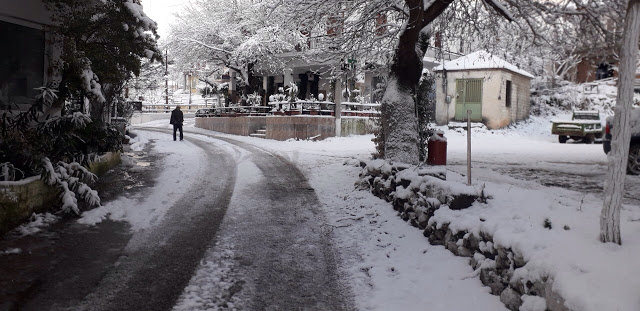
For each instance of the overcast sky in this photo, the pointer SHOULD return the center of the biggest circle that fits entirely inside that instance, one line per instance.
(162, 12)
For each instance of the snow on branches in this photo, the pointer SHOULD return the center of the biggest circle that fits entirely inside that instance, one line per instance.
(91, 85)
(70, 179)
(147, 24)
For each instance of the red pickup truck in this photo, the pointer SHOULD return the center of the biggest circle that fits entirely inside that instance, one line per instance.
(633, 165)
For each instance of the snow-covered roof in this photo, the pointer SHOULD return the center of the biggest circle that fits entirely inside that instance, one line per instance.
(481, 60)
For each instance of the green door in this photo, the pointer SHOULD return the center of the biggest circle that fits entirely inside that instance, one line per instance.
(469, 97)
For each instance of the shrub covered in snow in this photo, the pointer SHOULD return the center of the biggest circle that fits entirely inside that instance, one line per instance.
(56, 148)
(421, 195)
(598, 95)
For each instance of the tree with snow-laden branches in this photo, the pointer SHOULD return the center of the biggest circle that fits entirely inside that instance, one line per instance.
(614, 184)
(102, 44)
(215, 34)
(398, 32)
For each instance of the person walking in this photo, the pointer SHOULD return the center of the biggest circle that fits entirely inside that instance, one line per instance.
(176, 120)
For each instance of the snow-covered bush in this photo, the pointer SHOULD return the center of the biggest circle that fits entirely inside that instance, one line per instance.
(598, 95)
(254, 99)
(70, 179)
(28, 146)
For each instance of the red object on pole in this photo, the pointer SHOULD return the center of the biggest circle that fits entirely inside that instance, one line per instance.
(437, 149)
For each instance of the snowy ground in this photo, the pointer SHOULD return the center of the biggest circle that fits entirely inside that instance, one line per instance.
(390, 265)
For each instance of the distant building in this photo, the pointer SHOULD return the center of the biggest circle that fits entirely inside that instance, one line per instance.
(496, 92)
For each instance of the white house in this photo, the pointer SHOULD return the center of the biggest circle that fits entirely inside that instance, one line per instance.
(496, 92)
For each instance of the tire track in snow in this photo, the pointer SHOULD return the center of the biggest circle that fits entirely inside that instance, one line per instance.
(159, 261)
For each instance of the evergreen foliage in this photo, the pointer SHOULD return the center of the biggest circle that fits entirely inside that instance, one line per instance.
(102, 44)
(425, 106)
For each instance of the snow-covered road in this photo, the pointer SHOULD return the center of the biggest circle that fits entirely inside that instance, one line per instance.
(269, 252)
(231, 222)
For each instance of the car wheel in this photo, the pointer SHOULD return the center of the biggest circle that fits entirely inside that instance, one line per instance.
(562, 139)
(588, 139)
(633, 165)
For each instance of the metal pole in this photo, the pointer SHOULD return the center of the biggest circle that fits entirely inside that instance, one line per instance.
(469, 147)
(166, 78)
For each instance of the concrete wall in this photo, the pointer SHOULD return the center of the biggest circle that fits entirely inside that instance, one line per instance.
(357, 126)
(286, 127)
(495, 113)
(232, 125)
(34, 14)
(30, 13)
(283, 128)
(139, 118)
(20, 199)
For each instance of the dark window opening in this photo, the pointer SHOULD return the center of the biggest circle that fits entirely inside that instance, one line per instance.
(604, 71)
(508, 95)
(21, 64)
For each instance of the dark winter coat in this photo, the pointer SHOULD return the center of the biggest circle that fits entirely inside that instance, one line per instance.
(176, 117)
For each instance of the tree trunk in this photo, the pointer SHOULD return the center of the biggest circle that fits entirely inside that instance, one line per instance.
(618, 157)
(399, 120)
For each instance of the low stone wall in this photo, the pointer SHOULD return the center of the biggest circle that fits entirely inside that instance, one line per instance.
(232, 125)
(139, 117)
(300, 127)
(287, 127)
(357, 126)
(107, 162)
(417, 194)
(20, 199)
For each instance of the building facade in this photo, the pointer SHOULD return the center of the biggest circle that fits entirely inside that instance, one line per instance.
(28, 52)
(494, 91)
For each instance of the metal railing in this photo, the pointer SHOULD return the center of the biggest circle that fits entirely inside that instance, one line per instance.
(287, 108)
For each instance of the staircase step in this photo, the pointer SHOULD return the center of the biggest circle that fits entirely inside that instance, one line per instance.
(258, 135)
(261, 131)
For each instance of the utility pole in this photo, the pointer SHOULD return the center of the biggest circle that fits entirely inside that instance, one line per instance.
(469, 147)
(166, 78)
(190, 86)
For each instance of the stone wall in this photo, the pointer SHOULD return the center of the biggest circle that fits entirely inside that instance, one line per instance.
(287, 127)
(143, 117)
(300, 127)
(20, 199)
(357, 126)
(418, 194)
(233, 125)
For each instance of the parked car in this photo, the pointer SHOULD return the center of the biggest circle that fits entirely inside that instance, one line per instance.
(584, 125)
(633, 165)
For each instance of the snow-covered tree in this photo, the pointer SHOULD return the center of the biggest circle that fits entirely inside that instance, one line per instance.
(618, 157)
(398, 32)
(219, 34)
(102, 44)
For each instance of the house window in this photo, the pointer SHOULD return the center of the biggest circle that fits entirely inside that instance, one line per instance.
(604, 71)
(508, 95)
(21, 64)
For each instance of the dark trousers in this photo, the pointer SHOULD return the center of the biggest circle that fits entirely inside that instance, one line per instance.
(175, 128)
